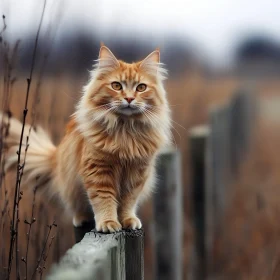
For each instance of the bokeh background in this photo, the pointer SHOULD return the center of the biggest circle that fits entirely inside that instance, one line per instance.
(211, 49)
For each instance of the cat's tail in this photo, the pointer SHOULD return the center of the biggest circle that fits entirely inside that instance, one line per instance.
(38, 158)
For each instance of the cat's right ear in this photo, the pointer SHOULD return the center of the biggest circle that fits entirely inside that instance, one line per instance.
(151, 64)
(106, 60)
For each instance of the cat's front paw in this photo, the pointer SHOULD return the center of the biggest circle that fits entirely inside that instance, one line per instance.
(131, 223)
(108, 226)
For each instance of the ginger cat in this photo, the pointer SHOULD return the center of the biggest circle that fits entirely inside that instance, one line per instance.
(105, 163)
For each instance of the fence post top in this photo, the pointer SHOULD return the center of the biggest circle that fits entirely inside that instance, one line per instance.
(199, 131)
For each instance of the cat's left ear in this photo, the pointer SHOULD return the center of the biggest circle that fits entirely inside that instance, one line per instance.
(106, 60)
(152, 58)
(151, 65)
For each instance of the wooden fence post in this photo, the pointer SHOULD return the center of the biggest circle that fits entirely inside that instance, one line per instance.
(197, 139)
(168, 229)
(216, 152)
(115, 256)
(230, 133)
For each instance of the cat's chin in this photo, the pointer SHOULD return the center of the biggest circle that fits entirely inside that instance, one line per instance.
(128, 111)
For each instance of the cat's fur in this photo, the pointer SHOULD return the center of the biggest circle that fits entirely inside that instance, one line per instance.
(106, 160)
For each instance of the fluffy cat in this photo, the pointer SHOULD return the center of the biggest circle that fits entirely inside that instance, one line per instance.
(105, 163)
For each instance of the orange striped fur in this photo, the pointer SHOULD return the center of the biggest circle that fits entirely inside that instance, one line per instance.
(106, 162)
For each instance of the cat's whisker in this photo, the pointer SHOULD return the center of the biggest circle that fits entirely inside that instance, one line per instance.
(160, 106)
(147, 116)
(180, 104)
(177, 123)
(110, 104)
(104, 113)
(153, 117)
(159, 120)
(72, 97)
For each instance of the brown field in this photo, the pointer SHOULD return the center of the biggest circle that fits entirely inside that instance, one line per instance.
(248, 247)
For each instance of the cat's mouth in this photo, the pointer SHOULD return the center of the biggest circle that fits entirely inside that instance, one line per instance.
(129, 110)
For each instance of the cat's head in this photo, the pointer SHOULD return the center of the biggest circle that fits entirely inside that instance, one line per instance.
(127, 91)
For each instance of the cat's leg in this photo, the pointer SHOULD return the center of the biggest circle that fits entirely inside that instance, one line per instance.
(142, 182)
(141, 186)
(128, 207)
(100, 183)
(104, 204)
(76, 201)
(81, 218)
(82, 212)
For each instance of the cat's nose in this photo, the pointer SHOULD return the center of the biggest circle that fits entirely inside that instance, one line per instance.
(129, 99)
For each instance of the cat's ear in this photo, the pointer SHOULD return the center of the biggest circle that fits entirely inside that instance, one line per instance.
(152, 58)
(106, 60)
(151, 65)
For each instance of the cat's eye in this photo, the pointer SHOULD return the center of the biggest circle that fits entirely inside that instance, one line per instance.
(116, 86)
(141, 87)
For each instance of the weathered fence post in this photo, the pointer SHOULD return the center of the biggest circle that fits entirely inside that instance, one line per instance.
(230, 133)
(99, 256)
(168, 228)
(216, 153)
(197, 140)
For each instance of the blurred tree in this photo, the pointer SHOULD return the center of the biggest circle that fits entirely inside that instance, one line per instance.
(258, 47)
(258, 56)
(75, 51)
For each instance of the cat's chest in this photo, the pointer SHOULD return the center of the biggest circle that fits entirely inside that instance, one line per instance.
(128, 146)
(133, 173)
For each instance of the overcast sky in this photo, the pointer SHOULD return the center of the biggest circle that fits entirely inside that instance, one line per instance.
(215, 26)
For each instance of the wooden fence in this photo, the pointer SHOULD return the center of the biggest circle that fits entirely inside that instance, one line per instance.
(120, 256)
(216, 153)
